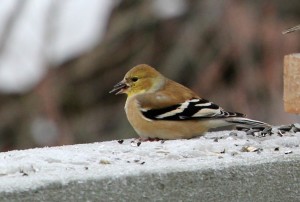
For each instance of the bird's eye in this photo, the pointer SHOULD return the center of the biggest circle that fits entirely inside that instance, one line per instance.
(134, 79)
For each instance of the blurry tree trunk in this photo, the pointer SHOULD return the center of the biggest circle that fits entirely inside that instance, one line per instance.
(47, 93)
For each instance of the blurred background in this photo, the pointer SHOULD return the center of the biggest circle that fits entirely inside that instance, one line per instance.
(59, 60)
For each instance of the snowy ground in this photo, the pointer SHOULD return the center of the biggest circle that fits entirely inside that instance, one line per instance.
(35, 168)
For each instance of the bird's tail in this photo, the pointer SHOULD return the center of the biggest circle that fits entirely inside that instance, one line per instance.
(245, 122)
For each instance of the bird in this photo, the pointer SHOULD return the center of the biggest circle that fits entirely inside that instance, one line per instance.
(159, 108)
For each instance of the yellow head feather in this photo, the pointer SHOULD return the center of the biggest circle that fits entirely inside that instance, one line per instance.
(143, 79)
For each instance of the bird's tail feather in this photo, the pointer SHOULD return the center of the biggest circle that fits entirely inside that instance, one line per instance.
(240, 121)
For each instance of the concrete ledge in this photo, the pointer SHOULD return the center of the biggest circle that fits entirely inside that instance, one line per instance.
(221, 166)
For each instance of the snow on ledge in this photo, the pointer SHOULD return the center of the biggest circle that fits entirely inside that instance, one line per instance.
(29, 170)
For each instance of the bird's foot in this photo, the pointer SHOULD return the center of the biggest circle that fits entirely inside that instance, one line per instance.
(148, 139)
(138, 141)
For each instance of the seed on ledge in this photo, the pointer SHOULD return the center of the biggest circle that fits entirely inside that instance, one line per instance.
(288, 152)
(241, 128)
(286, 128)
(295, 128)
(250, 149)
(103, 161)
(232, 134)
(135, 144)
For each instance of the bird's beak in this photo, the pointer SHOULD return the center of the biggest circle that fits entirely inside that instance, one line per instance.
(119, 88)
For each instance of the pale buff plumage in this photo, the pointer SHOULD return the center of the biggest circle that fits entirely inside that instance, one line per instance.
(147, 89)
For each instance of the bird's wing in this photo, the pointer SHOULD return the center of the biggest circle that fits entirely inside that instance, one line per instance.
(191, 109)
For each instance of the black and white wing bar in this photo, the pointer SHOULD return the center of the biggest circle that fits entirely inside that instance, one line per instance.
(193, 109)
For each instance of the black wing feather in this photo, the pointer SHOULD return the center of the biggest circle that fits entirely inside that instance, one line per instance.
(154, 113)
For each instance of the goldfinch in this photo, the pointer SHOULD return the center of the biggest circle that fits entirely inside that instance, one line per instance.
(159, 108)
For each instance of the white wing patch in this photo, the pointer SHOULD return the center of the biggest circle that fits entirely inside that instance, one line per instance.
(206, 112)
(203, 104)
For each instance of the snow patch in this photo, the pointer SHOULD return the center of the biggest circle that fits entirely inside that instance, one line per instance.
(30, 169)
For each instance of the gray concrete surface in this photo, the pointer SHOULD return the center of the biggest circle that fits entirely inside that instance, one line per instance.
(200, 169)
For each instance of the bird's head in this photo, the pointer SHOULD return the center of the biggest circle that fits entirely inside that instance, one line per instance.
(140, 79)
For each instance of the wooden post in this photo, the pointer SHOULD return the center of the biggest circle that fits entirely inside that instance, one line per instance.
(291, 80)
